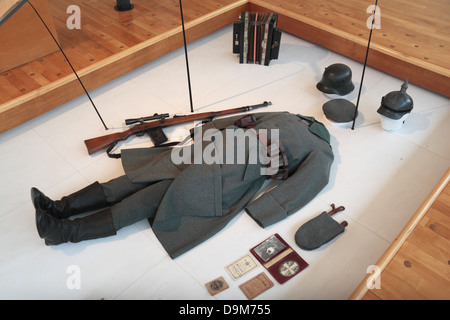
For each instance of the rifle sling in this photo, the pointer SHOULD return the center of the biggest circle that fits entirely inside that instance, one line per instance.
(113, 155)
(118, 155)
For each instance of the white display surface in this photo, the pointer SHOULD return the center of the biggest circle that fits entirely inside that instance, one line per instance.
(381, 177)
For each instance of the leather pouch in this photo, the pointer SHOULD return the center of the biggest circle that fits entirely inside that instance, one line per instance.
(319, 230)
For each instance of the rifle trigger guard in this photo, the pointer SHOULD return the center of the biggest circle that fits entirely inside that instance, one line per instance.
(211, 118)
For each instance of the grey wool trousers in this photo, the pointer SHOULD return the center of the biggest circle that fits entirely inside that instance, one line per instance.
(133, 202)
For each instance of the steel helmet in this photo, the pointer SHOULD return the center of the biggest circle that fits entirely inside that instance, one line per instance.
(396, 104)
(336, 79)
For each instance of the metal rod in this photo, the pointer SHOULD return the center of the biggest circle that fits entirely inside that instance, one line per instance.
(187, 60)
(364, 68)
(68, 61)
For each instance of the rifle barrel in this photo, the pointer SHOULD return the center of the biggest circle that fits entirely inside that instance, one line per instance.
(95, 145)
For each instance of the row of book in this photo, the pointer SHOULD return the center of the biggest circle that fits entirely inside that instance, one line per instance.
(256, 37)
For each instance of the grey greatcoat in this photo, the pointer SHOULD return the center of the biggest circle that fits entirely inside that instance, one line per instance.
(195, 201)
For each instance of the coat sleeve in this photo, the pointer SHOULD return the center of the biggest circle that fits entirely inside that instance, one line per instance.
(294, 193)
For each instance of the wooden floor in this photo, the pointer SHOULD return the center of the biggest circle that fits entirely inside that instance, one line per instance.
(413, 42)
(417, 265)
(108, 45)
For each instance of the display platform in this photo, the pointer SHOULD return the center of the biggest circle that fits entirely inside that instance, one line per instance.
(380, 177)
(412, 42)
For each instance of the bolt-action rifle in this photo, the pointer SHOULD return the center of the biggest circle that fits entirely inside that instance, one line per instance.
(155, 125)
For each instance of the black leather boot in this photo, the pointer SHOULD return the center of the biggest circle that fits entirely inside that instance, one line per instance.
(90, 198)
(56, 231)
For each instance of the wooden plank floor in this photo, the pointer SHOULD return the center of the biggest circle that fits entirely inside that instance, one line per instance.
(413, 42)
(417, 265)
(108, 45)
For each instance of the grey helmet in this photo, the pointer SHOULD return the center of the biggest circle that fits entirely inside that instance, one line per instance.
(396, 104)
(336, 79)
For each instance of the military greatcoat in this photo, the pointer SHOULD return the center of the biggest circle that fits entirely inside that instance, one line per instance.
(201, 199)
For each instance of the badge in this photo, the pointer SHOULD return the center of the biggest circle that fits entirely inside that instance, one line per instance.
(279, 258)
(216, 286)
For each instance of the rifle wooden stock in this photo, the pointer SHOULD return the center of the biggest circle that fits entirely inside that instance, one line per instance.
(100, 143)
(110, 140)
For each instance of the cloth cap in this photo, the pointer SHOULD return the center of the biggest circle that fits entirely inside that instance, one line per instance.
(339, 110)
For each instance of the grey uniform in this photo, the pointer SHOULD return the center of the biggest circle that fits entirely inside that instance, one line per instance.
(188, 203)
